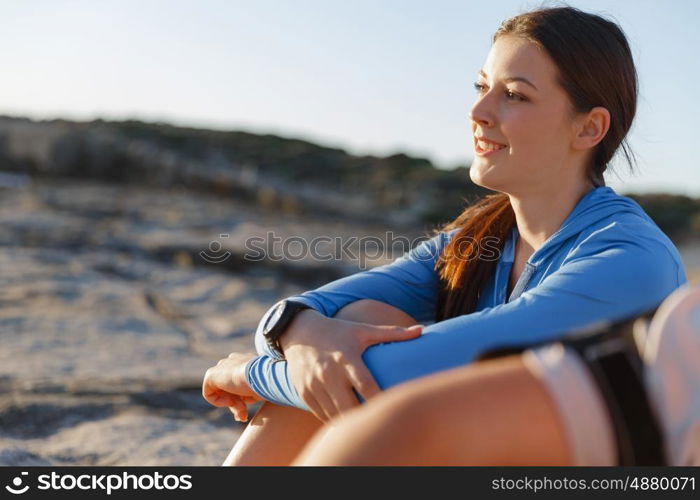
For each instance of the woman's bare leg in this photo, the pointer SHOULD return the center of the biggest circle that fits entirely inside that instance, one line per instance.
(274, 436)
(277, 434)
(492, 412)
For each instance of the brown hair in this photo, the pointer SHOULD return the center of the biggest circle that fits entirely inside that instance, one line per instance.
(595, 68)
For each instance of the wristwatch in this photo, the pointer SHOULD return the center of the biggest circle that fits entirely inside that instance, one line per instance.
(281, 315)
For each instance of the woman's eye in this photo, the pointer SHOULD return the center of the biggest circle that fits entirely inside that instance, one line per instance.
(509, 95)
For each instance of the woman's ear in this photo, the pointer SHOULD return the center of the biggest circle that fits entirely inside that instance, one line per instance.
(591, 128)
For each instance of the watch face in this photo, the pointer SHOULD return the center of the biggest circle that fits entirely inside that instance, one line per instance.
(274, 317)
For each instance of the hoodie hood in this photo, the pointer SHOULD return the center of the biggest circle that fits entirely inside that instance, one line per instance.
(595, 206)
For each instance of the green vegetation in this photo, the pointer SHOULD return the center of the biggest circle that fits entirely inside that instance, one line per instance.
(397, 187)
(677, 215)
(394, 182)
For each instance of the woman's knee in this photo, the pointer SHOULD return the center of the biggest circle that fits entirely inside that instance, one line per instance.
(374, 312)
(274, 436)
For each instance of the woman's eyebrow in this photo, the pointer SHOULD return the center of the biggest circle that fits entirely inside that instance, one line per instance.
(512, 79)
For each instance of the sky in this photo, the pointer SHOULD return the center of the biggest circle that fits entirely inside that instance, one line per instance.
(369, 76)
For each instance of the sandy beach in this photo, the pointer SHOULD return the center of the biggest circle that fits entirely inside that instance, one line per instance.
(108, 319)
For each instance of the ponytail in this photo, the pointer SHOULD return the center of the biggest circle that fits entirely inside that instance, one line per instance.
(467, 263)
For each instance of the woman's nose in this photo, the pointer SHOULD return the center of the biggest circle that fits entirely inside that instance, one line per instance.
(480, 112)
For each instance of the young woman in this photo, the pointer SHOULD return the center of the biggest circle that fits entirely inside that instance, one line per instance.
(554, 250)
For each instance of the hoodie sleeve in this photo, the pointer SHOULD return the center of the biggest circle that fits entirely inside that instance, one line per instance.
(611, 275)
(409, 284)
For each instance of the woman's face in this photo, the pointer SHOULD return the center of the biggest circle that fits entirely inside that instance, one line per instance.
(532, 122)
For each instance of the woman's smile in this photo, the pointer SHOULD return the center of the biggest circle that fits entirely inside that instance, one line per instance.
(483, 148)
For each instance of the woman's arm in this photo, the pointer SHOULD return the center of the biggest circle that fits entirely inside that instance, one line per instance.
(361, 319)
(325, 357)
(225, 383)
(601, 281)
(408, 284)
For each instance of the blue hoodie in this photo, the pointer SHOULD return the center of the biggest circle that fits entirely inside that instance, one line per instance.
(608, 261)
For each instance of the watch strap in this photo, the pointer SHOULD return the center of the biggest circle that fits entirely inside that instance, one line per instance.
(273, 335)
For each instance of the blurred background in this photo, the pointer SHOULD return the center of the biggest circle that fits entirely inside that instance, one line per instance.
(143, 145)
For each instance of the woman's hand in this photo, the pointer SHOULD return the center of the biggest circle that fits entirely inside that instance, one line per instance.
(325, 360)
(225, 385)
